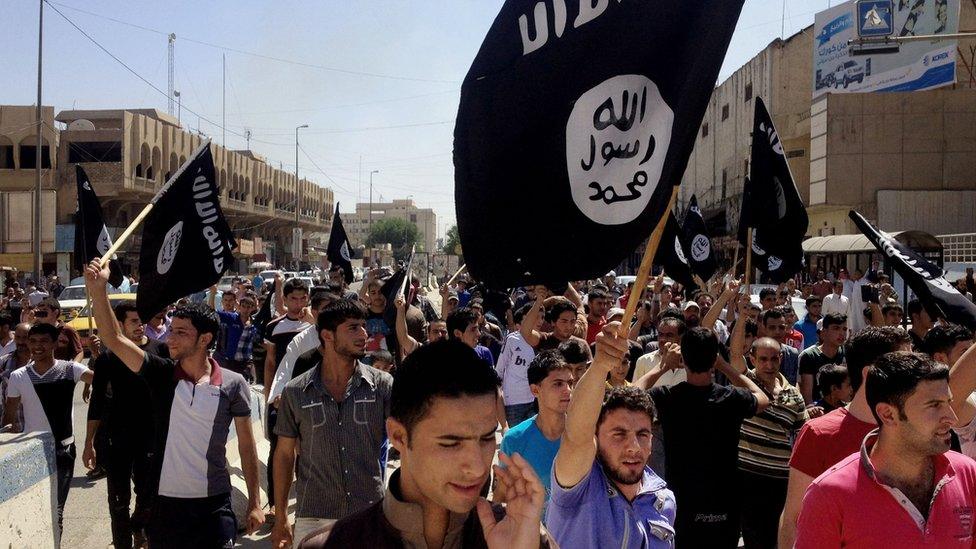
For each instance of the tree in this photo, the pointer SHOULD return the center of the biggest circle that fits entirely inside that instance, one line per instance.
(452, 241)
(400, 234)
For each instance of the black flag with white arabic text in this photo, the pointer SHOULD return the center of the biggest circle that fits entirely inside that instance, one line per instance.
(695, 235)
(576, 121)
(91, 235)
(186, 242)
(339, 249)
(672, 254)
(939, 297)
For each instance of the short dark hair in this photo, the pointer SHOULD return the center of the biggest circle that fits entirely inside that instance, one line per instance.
(834, 319)
(629, 398)
(123, 308)
(699, 347)
(670, 312)
(752, 329)
(519, 315)
(597, 293)
(294, 285)
(50, 303)
(203, 318)
(773, 313)
(813, 299)
(49, 330)
(830, 376)
(868, 345)
(381, 354)
(575, 351)
(544, 363)
(319, 297)
(914, 308)
(766, 292)
(558, 308)
(678, 323)
(6, 319)
(337, 312)
(459, 319)
(444, 369)
(894, 377)
(943, 337)
(890, 307)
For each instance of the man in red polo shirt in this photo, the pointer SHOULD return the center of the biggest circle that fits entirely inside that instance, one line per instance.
(904, 488)
(832, 437)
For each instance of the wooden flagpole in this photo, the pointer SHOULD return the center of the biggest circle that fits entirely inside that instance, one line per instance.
(644, 272)
(748, 274)
(735, 259)
(458, 273)
(145, 211)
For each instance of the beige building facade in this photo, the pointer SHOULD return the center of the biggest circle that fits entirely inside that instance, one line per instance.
(357, 224)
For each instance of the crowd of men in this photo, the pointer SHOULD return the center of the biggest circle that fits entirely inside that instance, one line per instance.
(805, 417)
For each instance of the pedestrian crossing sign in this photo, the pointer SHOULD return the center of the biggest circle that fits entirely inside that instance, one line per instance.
(875, 18)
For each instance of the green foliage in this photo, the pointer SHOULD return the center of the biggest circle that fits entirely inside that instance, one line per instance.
(399, 233)
(452, 241)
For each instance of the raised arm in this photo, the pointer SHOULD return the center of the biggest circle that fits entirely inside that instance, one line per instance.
(279, 296)
(407, 343)
(531, 320)
(735, 370)
(96, 277)
(731, 291)
(962, 382)
(670, 360)
(578, 446)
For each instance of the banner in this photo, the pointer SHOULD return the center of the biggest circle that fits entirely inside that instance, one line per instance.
(695, 235)
(91, 235)
(576, 120)
(918, 65)
(186, 242)
(339, 250)
(672, 254)
(939, 297)
(771, 205)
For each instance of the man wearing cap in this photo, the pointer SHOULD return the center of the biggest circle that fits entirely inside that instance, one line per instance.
(833, 332)
(692, 313)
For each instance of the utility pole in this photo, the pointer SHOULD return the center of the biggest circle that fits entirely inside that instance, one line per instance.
(179, 108)
(38, 268)
(223, 106)
(170, 54)
(369, 230)
(247, 137)
(298, 193)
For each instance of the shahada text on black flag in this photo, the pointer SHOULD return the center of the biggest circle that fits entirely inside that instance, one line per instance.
(672, 254)
(339, 250)
(695, 235)
(939, 297)
(576, 121)
(91, 235)
(186, 242)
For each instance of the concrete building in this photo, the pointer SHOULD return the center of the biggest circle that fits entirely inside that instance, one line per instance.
(905, 160)
(357, 224)
(129, 154)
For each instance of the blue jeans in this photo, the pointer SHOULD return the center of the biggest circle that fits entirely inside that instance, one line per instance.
(517, 413)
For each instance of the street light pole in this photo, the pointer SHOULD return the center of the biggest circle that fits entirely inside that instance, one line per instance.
(298, 194)
(37, 158)
(369, 230)
(179, 107)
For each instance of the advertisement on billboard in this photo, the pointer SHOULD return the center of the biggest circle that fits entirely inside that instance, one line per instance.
(917, 65)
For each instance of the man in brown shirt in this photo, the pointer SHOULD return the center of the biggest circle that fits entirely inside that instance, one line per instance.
(443, 422)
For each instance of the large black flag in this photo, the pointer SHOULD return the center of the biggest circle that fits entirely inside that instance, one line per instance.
(186, 242)
(939, 297)
(771, 205)
(339, 251)
(575, 123)
(672, 254)
(695, 235)
(91, 235)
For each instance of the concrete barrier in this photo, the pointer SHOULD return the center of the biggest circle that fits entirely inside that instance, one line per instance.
(28, 490)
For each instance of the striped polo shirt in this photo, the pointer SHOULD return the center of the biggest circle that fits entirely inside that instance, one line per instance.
(766, 439)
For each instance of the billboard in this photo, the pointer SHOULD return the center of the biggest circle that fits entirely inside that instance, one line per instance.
(920, 65)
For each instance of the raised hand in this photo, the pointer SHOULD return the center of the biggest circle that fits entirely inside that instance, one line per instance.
(525, 497)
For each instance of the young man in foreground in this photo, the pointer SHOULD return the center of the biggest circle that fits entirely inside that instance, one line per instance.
(443, 422)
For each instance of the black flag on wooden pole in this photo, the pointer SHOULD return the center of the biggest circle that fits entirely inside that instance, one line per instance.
(695, 235)
(91, 235)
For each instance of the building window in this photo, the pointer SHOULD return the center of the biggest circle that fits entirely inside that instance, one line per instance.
(725, 111)
(796, 153)
(748, 92)
(413, 218)
(28, 157)
(725, 181)
(704, 130)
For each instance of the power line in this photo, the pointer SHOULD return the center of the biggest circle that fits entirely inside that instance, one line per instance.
(259, 55)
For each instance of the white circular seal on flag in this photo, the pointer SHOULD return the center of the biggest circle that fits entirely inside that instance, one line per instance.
(171, 245)
(757, 249)
(344, 251)
(774, 262)
(700, 247)
(679, 252)
(616, 140)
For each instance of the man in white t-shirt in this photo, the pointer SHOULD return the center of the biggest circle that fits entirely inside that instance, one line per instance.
(46, 387)
(512, 367)
(837, 302)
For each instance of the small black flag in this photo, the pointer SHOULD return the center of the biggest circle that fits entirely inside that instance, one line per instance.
(699, 245)
(939, 297)
(91, 235)
(339, 251)
(576, 121)
(771, 205)
(186, 242)
(672, 254)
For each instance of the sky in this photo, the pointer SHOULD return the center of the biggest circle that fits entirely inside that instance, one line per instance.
(378, 82)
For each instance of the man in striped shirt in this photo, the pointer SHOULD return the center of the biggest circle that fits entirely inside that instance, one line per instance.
(765, 442)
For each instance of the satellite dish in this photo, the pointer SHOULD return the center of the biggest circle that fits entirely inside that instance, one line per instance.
(81, 125)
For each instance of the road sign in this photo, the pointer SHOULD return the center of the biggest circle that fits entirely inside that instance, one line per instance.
(875, 18)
